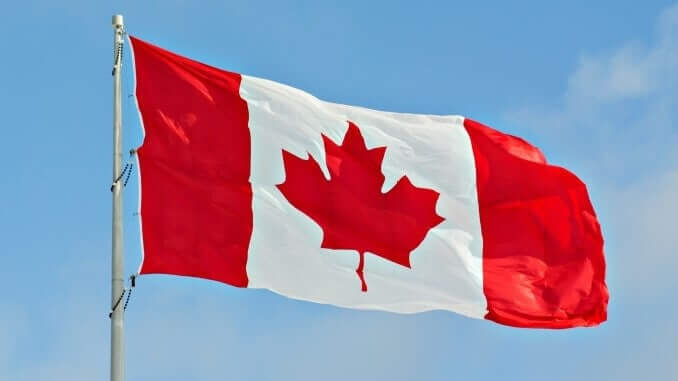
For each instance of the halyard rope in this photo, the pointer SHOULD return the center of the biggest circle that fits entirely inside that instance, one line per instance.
(126, 170)
(128, 291)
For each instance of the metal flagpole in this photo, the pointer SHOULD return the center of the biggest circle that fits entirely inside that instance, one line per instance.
(117, 281)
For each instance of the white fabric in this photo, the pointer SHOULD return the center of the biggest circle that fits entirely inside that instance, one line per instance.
(434, 152)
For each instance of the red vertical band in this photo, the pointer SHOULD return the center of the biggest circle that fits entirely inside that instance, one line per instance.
(196, 208)
(543, 262)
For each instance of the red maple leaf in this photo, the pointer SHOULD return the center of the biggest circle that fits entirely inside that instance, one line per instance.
(351, 209)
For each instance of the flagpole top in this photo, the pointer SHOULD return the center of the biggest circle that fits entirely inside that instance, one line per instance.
(117, 21)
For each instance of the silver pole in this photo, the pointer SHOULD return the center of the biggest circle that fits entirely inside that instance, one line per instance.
(117, 284)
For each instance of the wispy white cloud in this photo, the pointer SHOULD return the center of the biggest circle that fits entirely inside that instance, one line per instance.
(620, 107)
(633, 71)
(619, 111)
(617, 121)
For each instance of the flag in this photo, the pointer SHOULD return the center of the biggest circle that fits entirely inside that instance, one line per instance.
(257, 184)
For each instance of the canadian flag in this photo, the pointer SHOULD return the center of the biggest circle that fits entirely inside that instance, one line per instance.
(257, 184)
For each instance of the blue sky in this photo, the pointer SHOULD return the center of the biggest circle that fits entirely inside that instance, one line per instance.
(593, 85)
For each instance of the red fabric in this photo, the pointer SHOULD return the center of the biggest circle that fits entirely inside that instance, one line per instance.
(350, 207)
(543, 262)
(195, 163)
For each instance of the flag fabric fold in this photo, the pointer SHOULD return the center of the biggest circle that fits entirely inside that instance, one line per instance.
(257, 184)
